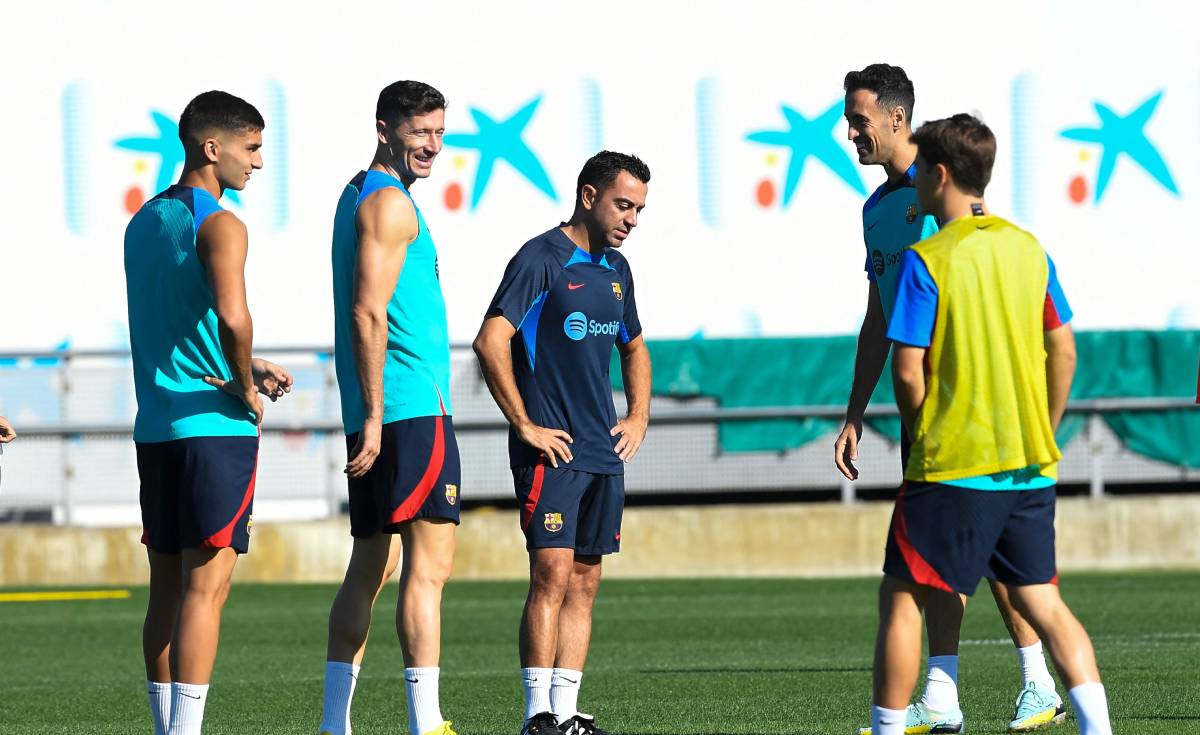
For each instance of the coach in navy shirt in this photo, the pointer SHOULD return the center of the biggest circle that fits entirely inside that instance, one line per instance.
(566, 299)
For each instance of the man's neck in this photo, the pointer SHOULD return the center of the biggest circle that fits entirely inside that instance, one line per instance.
(384, 164)
(901, 161)
(577, 232)
(202, 178)
(959, 205)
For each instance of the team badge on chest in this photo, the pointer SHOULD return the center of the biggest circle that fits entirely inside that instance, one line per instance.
(617, 291)
(910, 215)
(553, 522)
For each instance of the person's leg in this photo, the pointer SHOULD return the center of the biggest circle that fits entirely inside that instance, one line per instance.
(574, 636)
(943, 620)
(162, 612)
(897, 653)
(207, 574)
(1029, 646)
(427, 560)
(372, 561)
(550, 572)
(1070, 648)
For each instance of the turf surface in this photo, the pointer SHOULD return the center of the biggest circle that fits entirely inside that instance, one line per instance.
(670, 657)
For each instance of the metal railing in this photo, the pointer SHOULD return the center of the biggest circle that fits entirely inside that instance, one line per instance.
(77, 455)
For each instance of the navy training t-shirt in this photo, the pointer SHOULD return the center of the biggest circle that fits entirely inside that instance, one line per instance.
(569, 308)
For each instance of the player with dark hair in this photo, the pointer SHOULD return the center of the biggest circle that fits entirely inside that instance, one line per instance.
(565, 299)
(979, 491)
(198, 400)
(879, 104)
(392, 356)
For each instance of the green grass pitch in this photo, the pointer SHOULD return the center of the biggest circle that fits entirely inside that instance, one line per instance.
(668, 657)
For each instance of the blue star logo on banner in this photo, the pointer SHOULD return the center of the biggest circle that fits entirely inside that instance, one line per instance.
(804, 138)
(1125, 135)
(502, 141)
(165, 144)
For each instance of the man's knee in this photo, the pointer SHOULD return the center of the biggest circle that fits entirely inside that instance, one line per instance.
(550, 576)
(585, 578)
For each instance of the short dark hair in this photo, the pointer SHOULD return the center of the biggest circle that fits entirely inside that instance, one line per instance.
(603, 168)
(891, 86)
(219, 110)
(401, 100)
(964, 145)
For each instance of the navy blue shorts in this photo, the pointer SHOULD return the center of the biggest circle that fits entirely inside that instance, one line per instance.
(416, 475)
(197, 492)
(568, 509)
(950, 537)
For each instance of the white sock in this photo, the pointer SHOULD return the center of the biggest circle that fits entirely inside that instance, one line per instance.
(887, 721)
(564, 693)
(340, 679)
(537, 690)
(1091, 709)
(941, 684)
(1033, 666)
(160, 705)
(187, 708)
(424, 711)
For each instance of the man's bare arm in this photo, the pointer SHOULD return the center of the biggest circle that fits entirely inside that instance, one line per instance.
(1060, 370)
(872, 353)
(221, 245)
(908, 374)
(495, 359)
(635, 369)
(387, 225)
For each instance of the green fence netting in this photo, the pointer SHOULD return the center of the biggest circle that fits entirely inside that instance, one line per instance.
(818, 371)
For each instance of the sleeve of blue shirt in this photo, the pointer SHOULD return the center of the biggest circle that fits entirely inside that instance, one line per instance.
(631, 326)
(1057, 298)
(916, 303)
(526, 281)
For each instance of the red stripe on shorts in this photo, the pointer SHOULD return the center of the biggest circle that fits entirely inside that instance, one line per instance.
(535, 492)
(420, 493)
(224, 537)
(920, 569)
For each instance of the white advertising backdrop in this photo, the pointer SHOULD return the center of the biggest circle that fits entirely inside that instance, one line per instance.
(1095, 107)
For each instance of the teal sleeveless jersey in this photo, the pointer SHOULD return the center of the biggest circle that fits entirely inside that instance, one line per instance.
(416, 371)
(173, 325)
(891, 223)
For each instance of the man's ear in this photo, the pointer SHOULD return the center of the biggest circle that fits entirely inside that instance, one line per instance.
(211, 148)
(381, 132)
(587, 196)
(899, 118)
(943, 176)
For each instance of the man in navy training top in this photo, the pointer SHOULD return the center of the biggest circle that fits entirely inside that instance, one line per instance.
(566, 298)
(197, 388)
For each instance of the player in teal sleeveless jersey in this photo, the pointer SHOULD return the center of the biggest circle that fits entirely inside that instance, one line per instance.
(392, 353)
(416, 374)
(879, 104)
(197, 390)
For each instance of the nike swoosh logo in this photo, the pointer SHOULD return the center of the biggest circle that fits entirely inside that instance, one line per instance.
(574, 286)
(569, 681)
(189, 696)
(872, 225)
(410, 681)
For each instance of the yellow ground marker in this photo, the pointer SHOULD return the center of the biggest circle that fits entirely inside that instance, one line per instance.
(66, 595)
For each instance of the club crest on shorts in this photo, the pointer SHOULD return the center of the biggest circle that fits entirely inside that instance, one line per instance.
(910, 214)
(617, 291)
(451, 493)
(553, 522)
(249, 524)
